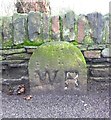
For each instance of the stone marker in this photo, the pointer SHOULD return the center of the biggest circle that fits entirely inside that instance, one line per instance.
(34, 25)
(68, 26)
(20, 28)
(56, 64)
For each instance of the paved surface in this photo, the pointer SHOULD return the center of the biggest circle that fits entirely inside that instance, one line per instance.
(93, 105)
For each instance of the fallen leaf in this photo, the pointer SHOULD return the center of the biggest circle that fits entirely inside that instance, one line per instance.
(21, 89)
(29, 97)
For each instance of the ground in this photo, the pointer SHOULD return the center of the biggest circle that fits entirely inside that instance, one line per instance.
(53, 105)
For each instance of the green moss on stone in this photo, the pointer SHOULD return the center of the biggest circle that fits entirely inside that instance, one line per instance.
(56, 56)
(18, 46)
(12, 51)
(61, 28)
(33, 43)
(7, 44)
(75, 42)
(88, 40)
(36, 42)
(18, 56)
(50, 29)
(105, 35)
(76, 30)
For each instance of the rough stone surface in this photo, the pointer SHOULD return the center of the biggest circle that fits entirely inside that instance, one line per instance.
(18, 56)
(14, 72)
(46, 26)
(99, 72)
(81, 29)
(34, 25)
(106, 52)
(1, 37)
(110, 28)
(68, 26)
(20, 26)
(101, 79)
(7, 30)
(84, 34)
(105, 32)
(96, 22)
(55, 28)
(27, 6)
(51, 63)
(30, 49)
(12, 51)
(92, 54)
(1, 58)
(97, 47)
(100, 61)
(89, 30)
(88, 40)
(12, 63)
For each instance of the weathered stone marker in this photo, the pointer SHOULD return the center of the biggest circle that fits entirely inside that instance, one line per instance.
(58, 65)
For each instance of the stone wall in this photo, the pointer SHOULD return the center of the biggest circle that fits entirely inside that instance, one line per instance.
(22, 33)
(92, 29)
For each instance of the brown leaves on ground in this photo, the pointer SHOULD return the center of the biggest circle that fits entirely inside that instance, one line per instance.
(21, 89)
(29, 97)
(18, 90)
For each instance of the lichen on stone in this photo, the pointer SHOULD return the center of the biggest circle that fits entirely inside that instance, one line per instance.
(55, 59)
(7, 44)
(88, 40)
